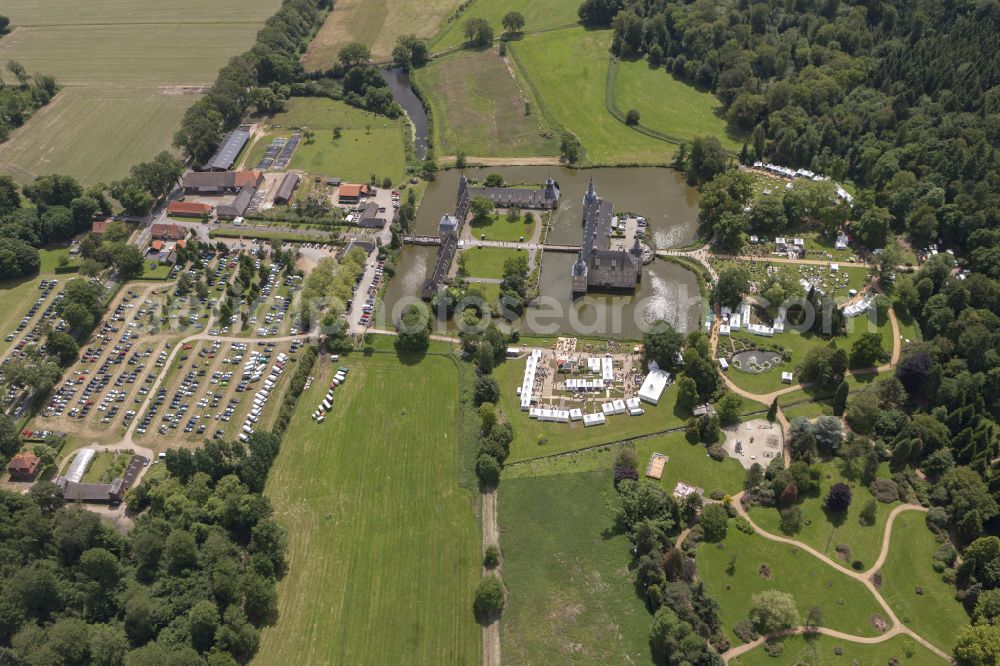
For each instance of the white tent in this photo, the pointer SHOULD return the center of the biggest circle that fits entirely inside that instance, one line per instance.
(575, 415)
(652, 387)
(593, 419)
(619, 406)
(608, 409)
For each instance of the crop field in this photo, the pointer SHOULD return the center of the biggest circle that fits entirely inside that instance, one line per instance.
(479, 108)
(383, 545)
(733, 571)
(825, 532)
(669, 105)
(375, 23)
(571, 595)
(933, 612)
(123, 64)
(80, 132)
(568, 70)
(369, 144)
(821, 650)
(537, 16)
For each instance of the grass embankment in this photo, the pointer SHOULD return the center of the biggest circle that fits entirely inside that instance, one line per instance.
(567, 71)
(369, 143)
(479, 109)
(933, 612)
(571, 595)
(383, 543)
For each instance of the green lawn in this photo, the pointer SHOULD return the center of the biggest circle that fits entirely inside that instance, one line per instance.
(384, 548)
(846, 604)
(825, 532)
(17, 295)
(496, 227)
(571, 596)
(935, 614)
(479, 109)
(690, 463)
(820, 650)
(537, 16)
(486, 262)
(810, 409)
(568, 69)
(369, 143)
(668, 105)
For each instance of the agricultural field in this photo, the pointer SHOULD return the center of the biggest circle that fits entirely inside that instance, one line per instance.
(571, 595)
(668, 105)
(375, 23)
(734, 570)
(933, 612)
(479, 108)
(369, 144)
(124, 68)
(537, 16)
(567, 71)
(383, 545)
(819, 650)
(826, 532)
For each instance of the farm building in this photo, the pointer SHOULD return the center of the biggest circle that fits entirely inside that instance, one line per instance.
(220, 182)
(287, 188)
(368, 217)
(102, 493)
(168, 232)
(188, 209)
(24, 466)
(351, 193)
(598, 267)
(545, 198)
(224, 159)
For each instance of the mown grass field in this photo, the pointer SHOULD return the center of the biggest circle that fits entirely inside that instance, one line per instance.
(934, 614)
(496, 227)
(479, 109)
(16, 296)
(846, 604)
(821, 651)
(824, 531)
(112, 59)
(384, 549)
(568, 69)
(668, 105)
(375, 23)
(369, 143)
(486, 262)
(571, 596)
(537, 16)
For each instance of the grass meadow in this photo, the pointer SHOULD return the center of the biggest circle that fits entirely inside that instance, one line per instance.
(375, 23)
(568, 70)
(571, 597)
(479, 109)
(369, 143)
(732, 572)
(486, 262)
(383, 543)
(819, 650)
(934, 614)
(824, 531)
(112, 59)
(668, 105)
(537, 16)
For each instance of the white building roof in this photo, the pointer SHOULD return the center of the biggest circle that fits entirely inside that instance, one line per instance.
(653, 385)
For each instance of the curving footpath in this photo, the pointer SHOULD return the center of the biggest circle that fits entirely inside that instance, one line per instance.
(864, 577)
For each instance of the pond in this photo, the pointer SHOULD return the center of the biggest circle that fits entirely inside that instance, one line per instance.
(755, 362)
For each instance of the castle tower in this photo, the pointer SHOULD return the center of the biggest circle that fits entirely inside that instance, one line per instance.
(591, 196)
(579, 275)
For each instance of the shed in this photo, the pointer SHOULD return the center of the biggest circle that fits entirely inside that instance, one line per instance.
(287, 188)
(786, 378)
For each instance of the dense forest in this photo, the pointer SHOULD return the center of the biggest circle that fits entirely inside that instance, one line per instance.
(192, 583)
(901, 99)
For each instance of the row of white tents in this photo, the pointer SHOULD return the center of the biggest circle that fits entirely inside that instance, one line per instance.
(630, 406)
